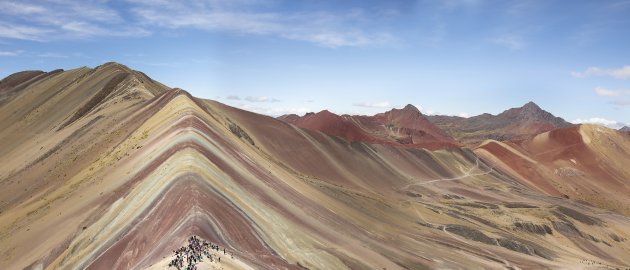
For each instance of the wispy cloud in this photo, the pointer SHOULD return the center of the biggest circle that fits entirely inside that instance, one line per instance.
(611, 93)
(43, 20)
(617, 94)
(618, 73)
(274, 111)
(601, 121)
(52, 55)
(233, 97)
(257, 98)
(323, 28)
(380, 104)
(511, 42)
(11, 53)
(15, 31)
(61, 19)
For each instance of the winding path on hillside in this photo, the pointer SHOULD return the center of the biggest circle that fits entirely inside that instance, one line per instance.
(466, 174)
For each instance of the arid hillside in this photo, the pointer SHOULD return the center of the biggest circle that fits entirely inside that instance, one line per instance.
(106, 168)
(512, 124)
(402, 127)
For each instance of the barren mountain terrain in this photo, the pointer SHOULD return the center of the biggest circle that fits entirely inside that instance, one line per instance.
(512, 124)
(106, 168)
(402, 127)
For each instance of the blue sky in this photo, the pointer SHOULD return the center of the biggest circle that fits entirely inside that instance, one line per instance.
(455, 57)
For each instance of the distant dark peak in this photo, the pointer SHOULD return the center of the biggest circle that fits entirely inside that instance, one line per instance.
(410, 107)
(407, 110)
(531, 110)
(531, 105)
(625, 129)
(288, 117)
(309, 114)
(324, 112)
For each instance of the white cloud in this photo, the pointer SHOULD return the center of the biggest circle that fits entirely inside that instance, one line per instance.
(275, 111)
(511, 42)
(233, 97)
(22, 31)
(600, 121)
(21, 8)
(380, 104)
(52, 55)
(322, 28)
(611, 93)
(618, 73)
(428, 111)
(11, 53)
(614, 93)
(61, 19)
(463, 114)
(43, 20)
(257, 98)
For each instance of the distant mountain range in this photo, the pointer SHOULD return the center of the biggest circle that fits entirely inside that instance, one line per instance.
(512, 124)
(409, 127)
(406, 126)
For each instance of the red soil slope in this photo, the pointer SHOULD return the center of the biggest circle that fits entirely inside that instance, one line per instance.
(582, 162)
(403, 127)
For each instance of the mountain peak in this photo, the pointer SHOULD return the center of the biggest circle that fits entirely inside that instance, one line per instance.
(326, 112)
(114, 65)
(529, 110)
(410, 107)
(625, 129)
(409, 110)
(531, 105)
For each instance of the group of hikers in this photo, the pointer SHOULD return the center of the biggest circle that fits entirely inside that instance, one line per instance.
(187, 257)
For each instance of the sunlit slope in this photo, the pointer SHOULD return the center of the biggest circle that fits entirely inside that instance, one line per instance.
(586, 162)
(118, 183)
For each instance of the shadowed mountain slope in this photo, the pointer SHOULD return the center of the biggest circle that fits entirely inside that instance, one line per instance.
(512, 124)
(106, 169)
